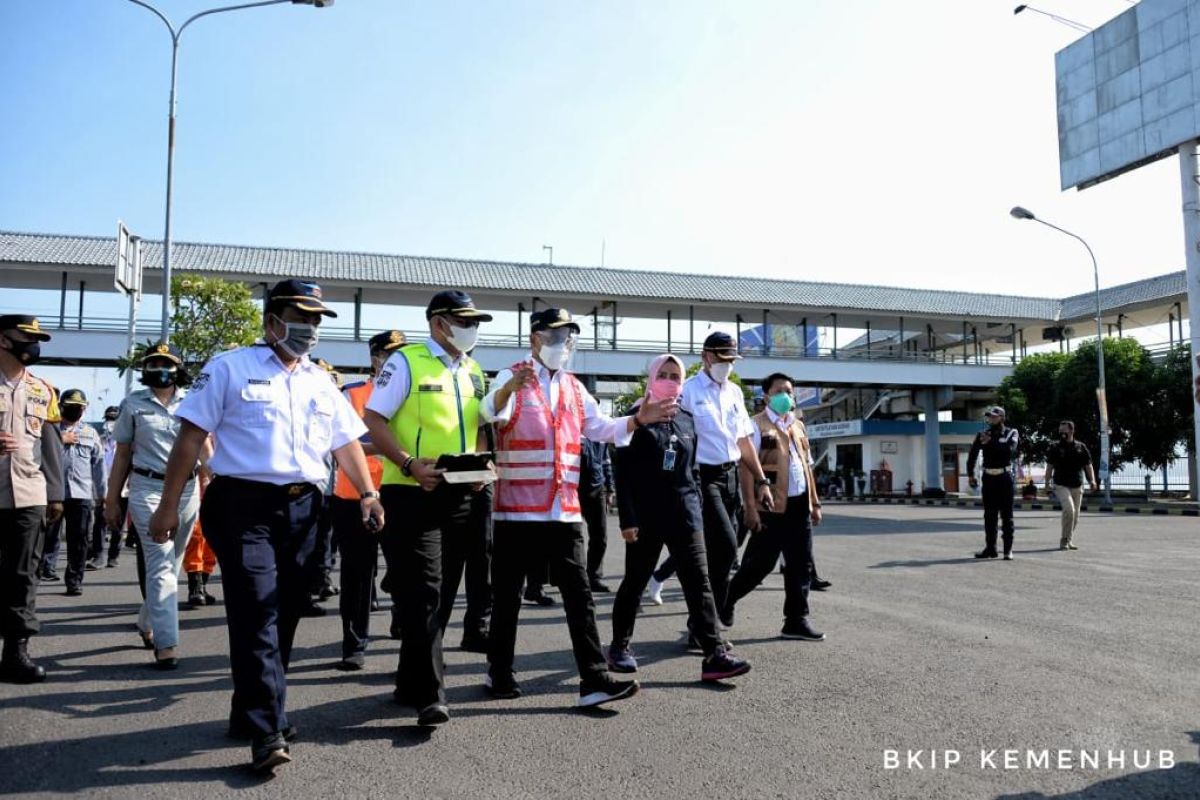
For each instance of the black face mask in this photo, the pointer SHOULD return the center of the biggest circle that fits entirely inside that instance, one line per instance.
(72, 413)
(1066, 437)
(159, 377)
(28, 353)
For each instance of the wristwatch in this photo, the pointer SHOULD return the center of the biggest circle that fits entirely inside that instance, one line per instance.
(759, 482)
(369, 496)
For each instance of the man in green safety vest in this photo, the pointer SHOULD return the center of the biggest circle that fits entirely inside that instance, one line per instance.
(426, 404)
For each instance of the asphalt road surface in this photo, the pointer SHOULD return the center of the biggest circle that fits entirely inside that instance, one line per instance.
(927, 649)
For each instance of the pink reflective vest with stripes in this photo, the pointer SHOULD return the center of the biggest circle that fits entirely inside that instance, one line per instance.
(537, 455)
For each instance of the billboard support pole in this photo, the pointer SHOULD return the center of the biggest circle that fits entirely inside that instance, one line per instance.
(1189, 171)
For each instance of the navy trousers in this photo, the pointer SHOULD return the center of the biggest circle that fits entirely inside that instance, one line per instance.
(264, 537)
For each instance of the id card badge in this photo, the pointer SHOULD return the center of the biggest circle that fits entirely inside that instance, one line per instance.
(669, 460)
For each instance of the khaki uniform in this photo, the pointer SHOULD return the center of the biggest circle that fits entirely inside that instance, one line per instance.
(31, 476)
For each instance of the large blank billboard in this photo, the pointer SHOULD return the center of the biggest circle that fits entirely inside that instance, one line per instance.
(1127, 91)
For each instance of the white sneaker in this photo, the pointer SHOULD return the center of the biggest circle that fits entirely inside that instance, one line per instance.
(655, 589)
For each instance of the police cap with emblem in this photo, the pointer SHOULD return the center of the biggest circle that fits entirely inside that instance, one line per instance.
(304, 295)
(25, 323)
(549, 319)
(387, 341)
(453, 303)
(161, 350)
(73, 397)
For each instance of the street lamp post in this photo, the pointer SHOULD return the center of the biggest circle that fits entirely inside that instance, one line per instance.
(1101, 396)
(175, 34)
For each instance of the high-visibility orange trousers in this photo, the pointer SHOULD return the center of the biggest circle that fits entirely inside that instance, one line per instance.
(199, 556)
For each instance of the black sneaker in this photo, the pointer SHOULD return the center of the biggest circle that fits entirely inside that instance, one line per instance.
(312, 610)
(353, 662)
(433, 715)
(599, 587)
(501, 689)
(721, 665)
(113, 563)
(327, 591)
(74, 591)
(801, 630)
(605, 690)
(268, 753)
(92, 565)
(986, 553)
(1008, 556)
(50, 576)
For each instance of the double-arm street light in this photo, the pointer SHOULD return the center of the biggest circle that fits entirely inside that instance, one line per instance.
(175, 34)
(1101, 398)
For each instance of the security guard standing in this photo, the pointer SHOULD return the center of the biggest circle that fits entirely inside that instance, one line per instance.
(359, 547)
(275, 417)
(145, 432)
(31, 489)
(85, 481)
(426, 404)
(723, 430)
(998, 444)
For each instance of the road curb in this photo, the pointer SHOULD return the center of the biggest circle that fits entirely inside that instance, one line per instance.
(1156, 511)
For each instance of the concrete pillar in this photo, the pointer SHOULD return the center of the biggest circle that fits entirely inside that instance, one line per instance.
(933, 446)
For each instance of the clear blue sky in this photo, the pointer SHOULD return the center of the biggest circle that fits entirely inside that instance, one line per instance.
(871, 141)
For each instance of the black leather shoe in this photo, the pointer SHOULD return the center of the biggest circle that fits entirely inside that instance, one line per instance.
(50, 576)
(352, 662)
(501, 689)
(820, 586)
(74, 591)
(474, 643)
(312, 610)
(1008, 556)
(269, 752)
(800, 629)
(599, 587)
(433, 715)
(986, 553)
(540, 598)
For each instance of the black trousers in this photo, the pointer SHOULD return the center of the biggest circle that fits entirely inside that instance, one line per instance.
(595, 517)
(50, 541)
(789, 534)
(687, 552)
(22, 532)
(721, 501)
(77, 525)
(323, 548)
(263, 536)
(360, 560)
(561, 544)
(469, 551)
(418, 523)
(998, 502)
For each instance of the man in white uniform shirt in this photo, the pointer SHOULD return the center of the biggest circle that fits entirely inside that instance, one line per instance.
(275, 417)
(723, 431)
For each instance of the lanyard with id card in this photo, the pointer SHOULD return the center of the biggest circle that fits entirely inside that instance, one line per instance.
(669, 455)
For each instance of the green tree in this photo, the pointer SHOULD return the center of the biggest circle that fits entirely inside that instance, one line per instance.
(1166, 410)
(1030, 399)
(623, 402)
(209, 315)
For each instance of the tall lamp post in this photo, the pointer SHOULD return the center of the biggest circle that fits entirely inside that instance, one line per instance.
(175, 34)
(1101, 397)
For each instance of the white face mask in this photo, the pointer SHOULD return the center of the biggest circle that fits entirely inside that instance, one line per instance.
(463, 339)
(720, 371)
(554, 356)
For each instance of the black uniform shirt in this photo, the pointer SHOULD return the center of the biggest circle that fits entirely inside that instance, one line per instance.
(997, 453)
(647, 494)
(1069, 460)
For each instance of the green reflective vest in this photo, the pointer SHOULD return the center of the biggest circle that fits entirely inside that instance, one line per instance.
(440, 414)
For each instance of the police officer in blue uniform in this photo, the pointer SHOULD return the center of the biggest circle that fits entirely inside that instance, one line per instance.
(998, 446)
(275, 417)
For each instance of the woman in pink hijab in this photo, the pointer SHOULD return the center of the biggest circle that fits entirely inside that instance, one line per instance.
(658, 500)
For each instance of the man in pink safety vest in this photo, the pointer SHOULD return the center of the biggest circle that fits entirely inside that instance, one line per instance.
(541, 413)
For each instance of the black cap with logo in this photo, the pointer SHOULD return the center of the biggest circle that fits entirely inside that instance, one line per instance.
(304, 295)
(73, 397)
(453, 303)
(549, 319)
(387, 341)
(161, 350)
(722, 346)
(25, 323)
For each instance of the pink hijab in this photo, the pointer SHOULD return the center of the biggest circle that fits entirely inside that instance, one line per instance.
(657, 364)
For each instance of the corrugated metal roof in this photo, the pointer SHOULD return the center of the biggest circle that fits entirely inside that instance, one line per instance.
(419, 271)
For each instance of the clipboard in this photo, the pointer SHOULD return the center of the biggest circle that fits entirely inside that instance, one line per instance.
(467, 467)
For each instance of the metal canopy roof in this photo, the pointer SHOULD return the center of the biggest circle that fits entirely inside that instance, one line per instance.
(30, 259)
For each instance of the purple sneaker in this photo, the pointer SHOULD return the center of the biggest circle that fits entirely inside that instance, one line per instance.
(723, 664)
(620, 659)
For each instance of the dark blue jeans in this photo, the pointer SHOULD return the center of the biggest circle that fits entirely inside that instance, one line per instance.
(263, 536)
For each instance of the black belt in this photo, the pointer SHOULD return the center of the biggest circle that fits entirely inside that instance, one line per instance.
(288, 489)
(717, 469)
(158, 476)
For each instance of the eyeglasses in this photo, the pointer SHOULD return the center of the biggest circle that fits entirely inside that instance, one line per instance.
(555, 336)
